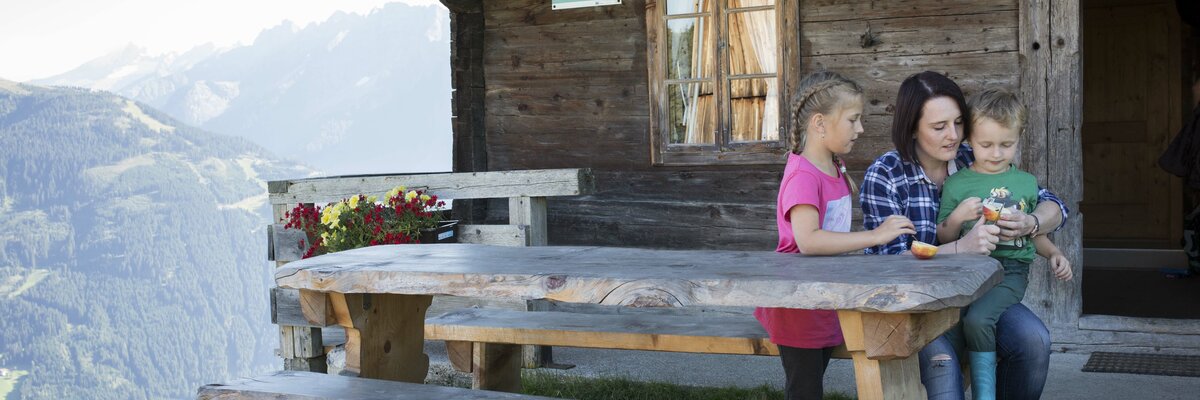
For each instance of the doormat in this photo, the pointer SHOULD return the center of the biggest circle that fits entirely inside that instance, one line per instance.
(1144, 364)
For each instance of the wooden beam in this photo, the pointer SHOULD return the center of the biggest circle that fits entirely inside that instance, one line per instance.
(316, 308)
(285, 244)
(529, 212)
(1063, 302)
(496, 367)
(496, 235)
(888, 378)
(696, 334)
(459, 353)
(384, 335)
(465, 185)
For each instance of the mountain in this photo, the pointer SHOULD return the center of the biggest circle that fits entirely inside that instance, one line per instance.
(132, 259)
(353, 94)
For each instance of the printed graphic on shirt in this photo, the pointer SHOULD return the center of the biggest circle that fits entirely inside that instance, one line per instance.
(837, 215)
(1001, 200)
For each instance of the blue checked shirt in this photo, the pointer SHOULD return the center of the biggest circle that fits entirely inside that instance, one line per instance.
(893, 186)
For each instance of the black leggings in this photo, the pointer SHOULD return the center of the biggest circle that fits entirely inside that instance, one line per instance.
(805, 371)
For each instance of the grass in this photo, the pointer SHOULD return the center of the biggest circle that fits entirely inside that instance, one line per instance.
(565, 386)
(9, 383)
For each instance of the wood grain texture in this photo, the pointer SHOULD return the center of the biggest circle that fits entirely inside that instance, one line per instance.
(690, 334)
(623, 276)
(496, 235)
(465, 185)
(893, 336)
(496, 366)
(309, 385)
(384, 335)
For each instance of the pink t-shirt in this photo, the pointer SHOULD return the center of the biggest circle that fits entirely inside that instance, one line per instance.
(803, 183)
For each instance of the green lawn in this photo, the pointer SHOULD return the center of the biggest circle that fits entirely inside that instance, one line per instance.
(9, 383)
(558, 385)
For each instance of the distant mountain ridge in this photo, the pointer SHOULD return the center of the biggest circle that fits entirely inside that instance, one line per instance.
(352, 94)
(143, 240)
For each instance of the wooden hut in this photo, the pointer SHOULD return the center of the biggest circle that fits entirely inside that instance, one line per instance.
(679, 106)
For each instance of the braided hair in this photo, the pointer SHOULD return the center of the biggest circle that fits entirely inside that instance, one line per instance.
(821, 92)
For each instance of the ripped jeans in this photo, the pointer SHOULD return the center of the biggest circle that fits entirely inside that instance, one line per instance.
(1022, 347)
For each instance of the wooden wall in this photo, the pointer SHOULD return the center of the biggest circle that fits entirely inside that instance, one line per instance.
(569, 89)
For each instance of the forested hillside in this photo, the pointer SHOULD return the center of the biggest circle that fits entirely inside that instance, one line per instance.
(132, 252)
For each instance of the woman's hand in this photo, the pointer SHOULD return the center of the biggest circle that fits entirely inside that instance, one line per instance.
(1061, 266)
(968, 209)
(1014, 225)
(892, 227)
(981, 239)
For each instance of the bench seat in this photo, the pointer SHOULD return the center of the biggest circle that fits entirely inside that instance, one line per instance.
(312, 385)
(691, 334)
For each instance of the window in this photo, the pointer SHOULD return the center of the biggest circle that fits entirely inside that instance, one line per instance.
(716, 75)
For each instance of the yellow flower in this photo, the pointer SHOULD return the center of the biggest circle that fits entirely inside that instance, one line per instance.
(394, 192)
(425, 198)
(410, 195)
(354, 202)
(372, 199)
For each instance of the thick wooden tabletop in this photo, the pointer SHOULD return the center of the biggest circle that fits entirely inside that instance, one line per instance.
(644, 277)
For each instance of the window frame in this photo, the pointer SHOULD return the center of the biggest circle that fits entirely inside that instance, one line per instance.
(724, 151)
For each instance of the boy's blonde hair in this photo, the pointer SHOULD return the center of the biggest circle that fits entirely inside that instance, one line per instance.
(821, 92)
(998, 105)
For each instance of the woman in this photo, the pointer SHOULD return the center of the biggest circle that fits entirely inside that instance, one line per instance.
(927, 130)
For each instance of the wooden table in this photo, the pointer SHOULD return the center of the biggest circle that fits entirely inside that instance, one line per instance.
(889, 306)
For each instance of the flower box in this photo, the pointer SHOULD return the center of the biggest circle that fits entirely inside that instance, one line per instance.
(445, 232)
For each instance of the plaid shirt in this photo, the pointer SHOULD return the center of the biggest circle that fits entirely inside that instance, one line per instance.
(893, 186)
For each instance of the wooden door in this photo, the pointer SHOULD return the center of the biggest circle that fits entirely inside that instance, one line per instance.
(1131, 110)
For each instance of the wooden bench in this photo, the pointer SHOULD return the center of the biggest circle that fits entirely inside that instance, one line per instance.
(311, 385)
(301, 344)
(497, 333)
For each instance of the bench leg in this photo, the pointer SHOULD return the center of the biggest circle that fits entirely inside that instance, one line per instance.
(385, 335)
(883, 346)
(496, 367)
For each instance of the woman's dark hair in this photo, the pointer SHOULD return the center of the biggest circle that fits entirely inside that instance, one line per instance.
(910, 100)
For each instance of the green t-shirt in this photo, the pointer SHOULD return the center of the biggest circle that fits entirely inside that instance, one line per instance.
(1012, 189)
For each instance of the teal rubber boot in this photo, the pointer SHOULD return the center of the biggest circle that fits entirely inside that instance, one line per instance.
(983, 375)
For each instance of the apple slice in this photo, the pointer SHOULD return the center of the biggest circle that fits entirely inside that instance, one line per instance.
(991, 214)
(923, 250)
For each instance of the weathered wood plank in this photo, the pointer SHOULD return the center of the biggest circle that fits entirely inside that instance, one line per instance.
(694, 334)
(839, 10)
(309, 385)
(1068, 338)
(384, 348)
(889, 378)
(467, 185)
(284, 244)
(1142, 325)
(460, 354)
(502, 14)
(899, 36)
(626, 276)
(892, 336)
(529, 212)
(496, 366)
(498, 235)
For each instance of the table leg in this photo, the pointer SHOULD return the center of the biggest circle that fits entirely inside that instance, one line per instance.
(385, 335)
(882, 346)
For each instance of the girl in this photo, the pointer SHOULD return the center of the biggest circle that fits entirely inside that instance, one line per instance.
(813, 218)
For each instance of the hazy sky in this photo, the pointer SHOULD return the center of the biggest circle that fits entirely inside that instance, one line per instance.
(41, 38)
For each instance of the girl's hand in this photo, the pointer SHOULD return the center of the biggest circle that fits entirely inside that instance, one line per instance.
(1014, 225)
(893, 227)
(981, 239)
(1061, 266)
(967, 210)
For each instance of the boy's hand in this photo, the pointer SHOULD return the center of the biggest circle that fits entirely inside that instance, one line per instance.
(892, 227)
(1061, 266)
(968, 209)
(981, 239)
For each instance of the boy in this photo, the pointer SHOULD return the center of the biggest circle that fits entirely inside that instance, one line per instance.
(992, 186)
